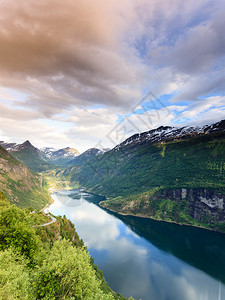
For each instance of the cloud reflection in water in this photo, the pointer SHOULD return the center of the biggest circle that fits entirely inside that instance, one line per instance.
(131, 264)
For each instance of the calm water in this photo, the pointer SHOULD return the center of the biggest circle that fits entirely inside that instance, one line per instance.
(145, 258)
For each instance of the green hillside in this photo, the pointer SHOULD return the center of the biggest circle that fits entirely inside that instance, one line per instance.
(41, 262)
(196, 162)
(48, 262)
(21, 185)
(32, 158)
(179, 180)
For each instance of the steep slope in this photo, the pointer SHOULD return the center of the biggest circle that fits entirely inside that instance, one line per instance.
(29, 155)
(179, 165)
(20, 184)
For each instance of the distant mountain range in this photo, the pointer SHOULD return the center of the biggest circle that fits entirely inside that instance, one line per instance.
(48, 158)
(169, 173)
(40, 159)
(61, 156)
(89, 154)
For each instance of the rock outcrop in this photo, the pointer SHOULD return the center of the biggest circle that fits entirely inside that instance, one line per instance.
(202, 204)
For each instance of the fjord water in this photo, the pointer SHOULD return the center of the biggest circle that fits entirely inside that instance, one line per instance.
(144, 258)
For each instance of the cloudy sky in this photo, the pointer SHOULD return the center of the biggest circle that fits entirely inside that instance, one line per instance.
(85, 73)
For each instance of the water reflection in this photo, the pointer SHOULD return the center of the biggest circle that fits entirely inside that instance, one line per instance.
(141, 257)
(201, 248)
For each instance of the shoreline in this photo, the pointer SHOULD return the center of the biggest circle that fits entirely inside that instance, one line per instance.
(52, 190)
(152, 218)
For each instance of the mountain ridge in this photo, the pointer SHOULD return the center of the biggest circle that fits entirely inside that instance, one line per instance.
(42, 159)
(165, 133)
(148, 166)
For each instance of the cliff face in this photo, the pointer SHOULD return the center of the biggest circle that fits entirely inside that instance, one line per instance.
(201, 204)
(192, 206)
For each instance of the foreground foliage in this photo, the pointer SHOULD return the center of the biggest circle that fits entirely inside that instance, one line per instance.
(45, 262)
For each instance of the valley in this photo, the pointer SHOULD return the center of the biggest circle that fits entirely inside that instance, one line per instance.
(174, 175)
(112, 150)
(170, 174)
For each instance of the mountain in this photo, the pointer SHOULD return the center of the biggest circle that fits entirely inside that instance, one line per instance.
(168, 133)
(89, 154)
(61, 156)
(169, 173)
(8, 146)
(29, 155)
(40, 160)
(19, 184)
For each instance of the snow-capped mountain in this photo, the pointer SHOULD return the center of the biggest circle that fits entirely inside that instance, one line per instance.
(166, 133)
(65, 153)
(29, 154)
(14, 147)
(8, 146)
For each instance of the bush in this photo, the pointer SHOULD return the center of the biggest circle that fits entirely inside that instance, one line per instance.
(16, 232)
(14, 276)
(67, 274)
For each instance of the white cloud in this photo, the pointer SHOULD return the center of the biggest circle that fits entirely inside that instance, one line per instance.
(60, 64)
(208, 111)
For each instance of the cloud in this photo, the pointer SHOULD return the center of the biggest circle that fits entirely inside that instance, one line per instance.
(80, 65)
(198, 87)
(194, 52)
(204, 112)
(39, 133)
(18, 114)
(68, 53)
(199, 48)
(85, 52)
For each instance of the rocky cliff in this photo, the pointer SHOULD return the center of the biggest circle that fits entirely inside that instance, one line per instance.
(201, 204)
(191, 206)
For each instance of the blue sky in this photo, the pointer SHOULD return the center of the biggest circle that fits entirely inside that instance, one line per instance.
(76, 73)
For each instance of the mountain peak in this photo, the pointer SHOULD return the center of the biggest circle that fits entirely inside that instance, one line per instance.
(26, 143)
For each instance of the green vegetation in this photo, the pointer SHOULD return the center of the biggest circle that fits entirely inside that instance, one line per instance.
(57, 180)
(19, 184)
(45, 262)
(197, 162)
(148, 204)
(134, 177)
(31, 157)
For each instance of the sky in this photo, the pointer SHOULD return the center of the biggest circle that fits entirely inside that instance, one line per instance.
(90, 73)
